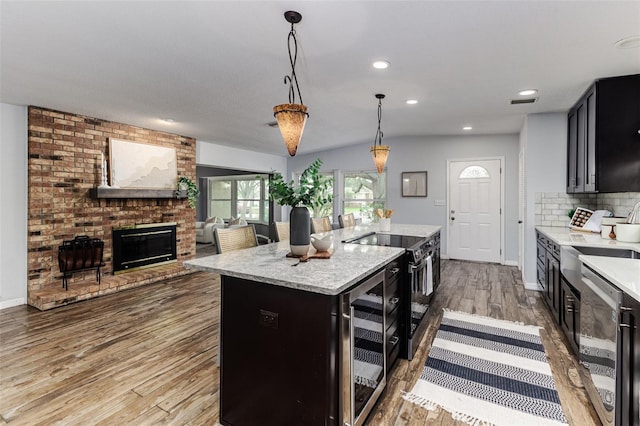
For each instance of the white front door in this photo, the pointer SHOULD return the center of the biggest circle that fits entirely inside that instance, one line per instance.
(475, 206)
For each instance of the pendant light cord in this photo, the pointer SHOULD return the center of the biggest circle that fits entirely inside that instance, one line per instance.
(378, 138)
(290, 79)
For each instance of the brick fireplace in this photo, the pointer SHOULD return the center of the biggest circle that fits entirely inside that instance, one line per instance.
(64, 164)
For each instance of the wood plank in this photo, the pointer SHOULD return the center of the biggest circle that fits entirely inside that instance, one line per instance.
(146, 355)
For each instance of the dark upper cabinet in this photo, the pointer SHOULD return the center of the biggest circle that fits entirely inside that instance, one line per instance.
(603, 149)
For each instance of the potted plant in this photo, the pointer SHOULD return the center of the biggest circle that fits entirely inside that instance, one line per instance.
(186, 187)
(312, 191)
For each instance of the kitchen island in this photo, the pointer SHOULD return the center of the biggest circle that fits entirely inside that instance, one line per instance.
(284, 342)
(349, 263)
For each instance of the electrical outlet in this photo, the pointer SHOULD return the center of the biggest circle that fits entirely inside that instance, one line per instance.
(268, 319)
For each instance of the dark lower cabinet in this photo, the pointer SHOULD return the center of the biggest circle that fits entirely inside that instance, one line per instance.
(628, 413)
(548, 274)
(393, 319)
(278, 356)
(570, 314)
(283, 350)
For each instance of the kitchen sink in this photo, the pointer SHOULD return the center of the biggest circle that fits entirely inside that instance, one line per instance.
(609, 252)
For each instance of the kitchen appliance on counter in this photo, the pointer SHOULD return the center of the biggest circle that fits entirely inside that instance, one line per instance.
(421, 280)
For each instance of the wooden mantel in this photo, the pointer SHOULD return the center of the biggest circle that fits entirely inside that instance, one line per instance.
(133, 193)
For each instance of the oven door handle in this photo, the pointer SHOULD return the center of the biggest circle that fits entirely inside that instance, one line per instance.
(413, 267)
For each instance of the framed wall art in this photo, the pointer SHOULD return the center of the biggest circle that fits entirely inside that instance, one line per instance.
(136, 165)
(414, 184)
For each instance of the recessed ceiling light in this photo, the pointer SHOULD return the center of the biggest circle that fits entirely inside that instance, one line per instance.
(168, 120)
(528, 92)
(467, 128)
(631, 42)
(381, 65)
(412, 101)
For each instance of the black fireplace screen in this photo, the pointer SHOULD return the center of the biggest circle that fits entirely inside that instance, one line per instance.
(143, 246)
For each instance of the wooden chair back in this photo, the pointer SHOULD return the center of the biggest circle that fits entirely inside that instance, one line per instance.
(282, 231)
(237, 238)
(320, 224)
(347, 220)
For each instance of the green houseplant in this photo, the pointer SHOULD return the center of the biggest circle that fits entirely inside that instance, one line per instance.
(312, 191)
(188, 187)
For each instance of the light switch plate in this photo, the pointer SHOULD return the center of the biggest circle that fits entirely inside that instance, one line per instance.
(440, 202)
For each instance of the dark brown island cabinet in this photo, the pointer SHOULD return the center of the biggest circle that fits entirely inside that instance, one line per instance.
(603, 137)
(283, 350)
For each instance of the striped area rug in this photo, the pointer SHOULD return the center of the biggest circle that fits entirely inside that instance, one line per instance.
(486, 371)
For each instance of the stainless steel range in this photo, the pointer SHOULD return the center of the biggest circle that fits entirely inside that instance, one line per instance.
(422, 277)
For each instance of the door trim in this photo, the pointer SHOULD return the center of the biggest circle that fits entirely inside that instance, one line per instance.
(502, 193)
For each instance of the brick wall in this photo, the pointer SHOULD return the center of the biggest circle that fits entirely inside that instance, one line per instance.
(64, 163)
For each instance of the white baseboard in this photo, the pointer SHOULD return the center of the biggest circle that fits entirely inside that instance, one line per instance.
(511, 262)
(444, 256)
(4, 304)
(532, 286)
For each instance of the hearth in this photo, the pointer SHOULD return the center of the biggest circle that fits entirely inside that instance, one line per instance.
(143, 246)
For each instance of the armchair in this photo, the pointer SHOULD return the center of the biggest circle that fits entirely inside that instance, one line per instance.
(204, 230)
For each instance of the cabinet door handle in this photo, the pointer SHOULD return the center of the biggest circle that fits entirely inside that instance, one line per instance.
(395, 271)
(621, 323)
(394, 300)
(393, 340)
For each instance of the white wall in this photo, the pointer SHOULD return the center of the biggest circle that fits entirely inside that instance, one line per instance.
(430, 154)
(544, 139)
(211, 154)
(13, 205)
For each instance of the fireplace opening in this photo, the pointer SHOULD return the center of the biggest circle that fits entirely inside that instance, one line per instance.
(143, 246)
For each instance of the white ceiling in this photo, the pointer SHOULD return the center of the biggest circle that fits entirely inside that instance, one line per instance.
(217, 67)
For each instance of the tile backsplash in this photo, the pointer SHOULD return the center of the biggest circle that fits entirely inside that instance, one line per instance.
(552, 207)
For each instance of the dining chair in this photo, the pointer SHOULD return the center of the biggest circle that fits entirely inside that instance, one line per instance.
(282, 231)
(320, 224)
(229, 239)
(346, 220)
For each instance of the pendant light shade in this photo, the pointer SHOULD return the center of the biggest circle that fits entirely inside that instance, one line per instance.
(291, 120)
(378, 151)
(380, 154)
(292, 117)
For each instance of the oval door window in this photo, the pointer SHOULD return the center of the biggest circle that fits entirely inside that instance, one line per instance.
(474, 172)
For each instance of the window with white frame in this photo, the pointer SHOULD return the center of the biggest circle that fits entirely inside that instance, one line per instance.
(363, 192)
(239, 196)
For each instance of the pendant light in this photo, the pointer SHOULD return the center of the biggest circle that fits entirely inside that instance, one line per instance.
(379, 152)
(292, 117)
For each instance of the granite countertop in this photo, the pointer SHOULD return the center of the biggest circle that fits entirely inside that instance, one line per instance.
(623, 273)
(349, 263)
(565, 236)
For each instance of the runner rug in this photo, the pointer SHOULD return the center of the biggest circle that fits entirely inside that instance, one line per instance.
(486, 371)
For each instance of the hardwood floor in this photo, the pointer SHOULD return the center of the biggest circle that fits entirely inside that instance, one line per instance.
(147, 355)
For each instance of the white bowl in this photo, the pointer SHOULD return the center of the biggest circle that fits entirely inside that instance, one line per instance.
(322, 244)
(628, 232)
